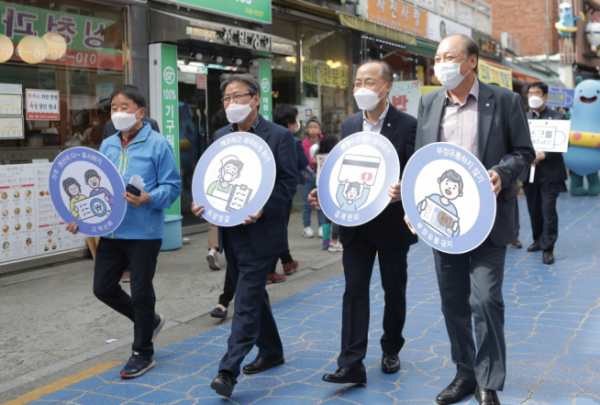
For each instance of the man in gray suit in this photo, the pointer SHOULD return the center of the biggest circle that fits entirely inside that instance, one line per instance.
(490, 122)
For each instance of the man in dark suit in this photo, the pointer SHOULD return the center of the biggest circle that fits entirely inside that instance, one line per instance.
(549, 174)
(490, 122)
(251, 247)
(386, 236)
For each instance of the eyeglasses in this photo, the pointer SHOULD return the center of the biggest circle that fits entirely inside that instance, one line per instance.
(535, 93)
(237, 98)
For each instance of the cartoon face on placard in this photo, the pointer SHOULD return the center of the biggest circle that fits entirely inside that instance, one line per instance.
(448, 198)
(355, 177)
(234, 178)
(86, 188)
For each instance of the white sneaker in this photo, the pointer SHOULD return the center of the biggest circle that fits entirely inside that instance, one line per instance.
(213, 260)
(308, 232)
(320, 232)
(335, 247)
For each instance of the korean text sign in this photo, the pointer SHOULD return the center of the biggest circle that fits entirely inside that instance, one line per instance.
(398, 15)
(491, 74)
(405, 96)
(42, 105)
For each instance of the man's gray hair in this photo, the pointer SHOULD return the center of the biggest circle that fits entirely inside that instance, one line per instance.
(467, 45)
(387, 73)
(251, 82)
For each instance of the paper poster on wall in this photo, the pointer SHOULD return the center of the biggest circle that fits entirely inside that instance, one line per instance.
(42, 105)
(30, 226)
(448, 198)
(11, 104)
(11, 128)
(234, 178)
(87, 189)
(405, 96)
(353, 182)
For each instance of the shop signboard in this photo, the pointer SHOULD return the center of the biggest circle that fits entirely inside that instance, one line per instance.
(491, 74)
(201, 82)
(333, 77)
(264, 80)
(164, 99)
(510, 43)
(488, 47)
(253, 10)
(558, 97)
(438, 28)
(399, 15)
(405, 96)
(84, 35)
(42, 105)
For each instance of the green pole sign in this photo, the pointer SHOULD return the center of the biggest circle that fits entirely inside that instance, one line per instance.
(164, 99)
(264, 79)
(253, 10)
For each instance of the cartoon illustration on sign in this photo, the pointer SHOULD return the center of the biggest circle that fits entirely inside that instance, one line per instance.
(236, 196)
(357, 174)
(437, 210)
(92, 179)
(73, 190)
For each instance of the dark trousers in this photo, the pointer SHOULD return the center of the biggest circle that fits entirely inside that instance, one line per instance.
(358, 259)
(471, 291)
(285, 257)
(253, 321)
(228, 289)
(112, 258)
(541, 204)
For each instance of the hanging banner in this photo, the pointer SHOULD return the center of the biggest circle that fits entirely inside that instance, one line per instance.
(234, 178)
(488, 73)
(405, 96)
(355, 177)
(448, 198)
(86, 188)
(164, 100)
(558, 97)
(265, 88)
(398, 15)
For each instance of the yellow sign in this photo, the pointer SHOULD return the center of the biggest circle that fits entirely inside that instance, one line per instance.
(398, 15)
(334, 77)
(491, 74)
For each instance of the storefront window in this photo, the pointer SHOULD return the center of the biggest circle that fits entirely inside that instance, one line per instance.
(68, 57)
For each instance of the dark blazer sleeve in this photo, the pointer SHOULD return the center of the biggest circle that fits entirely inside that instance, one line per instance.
(300, 155)
(520, 150)
(281, 142)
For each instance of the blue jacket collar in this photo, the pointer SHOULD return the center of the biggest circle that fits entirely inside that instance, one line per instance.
(144, 133)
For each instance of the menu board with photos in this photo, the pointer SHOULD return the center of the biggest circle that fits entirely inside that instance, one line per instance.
(30, 226)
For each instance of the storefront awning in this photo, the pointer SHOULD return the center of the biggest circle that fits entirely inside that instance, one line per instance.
(529, 75)
(423, 48)
(362, 25)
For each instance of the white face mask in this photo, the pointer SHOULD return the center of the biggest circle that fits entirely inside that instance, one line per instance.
(227, 177)
(124, 121)
(298, 126)
(535, 102)
(237, 113)
(367, 99)
(448, 74)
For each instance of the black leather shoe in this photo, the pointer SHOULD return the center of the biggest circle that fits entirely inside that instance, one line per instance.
(347, 375)
(548, 257)
(218, 312)
(223, 383)
(457, 390)
(390, 363)
(261, 364)
(535, 247)
(486, 397)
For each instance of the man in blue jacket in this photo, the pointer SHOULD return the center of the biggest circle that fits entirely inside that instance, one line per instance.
(136, 149)
(251, 247)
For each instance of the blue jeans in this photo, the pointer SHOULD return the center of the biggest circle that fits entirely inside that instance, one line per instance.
(306, 189)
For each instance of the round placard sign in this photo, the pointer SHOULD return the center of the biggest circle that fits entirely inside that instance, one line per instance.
(448, 198)
(234, 178)
(353, 183)
(86, 188)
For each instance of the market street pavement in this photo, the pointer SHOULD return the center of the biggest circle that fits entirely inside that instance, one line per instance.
(552, 332)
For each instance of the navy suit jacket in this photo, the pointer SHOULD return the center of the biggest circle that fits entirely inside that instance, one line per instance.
(388, 229)
(269, 234)
(504, 145)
